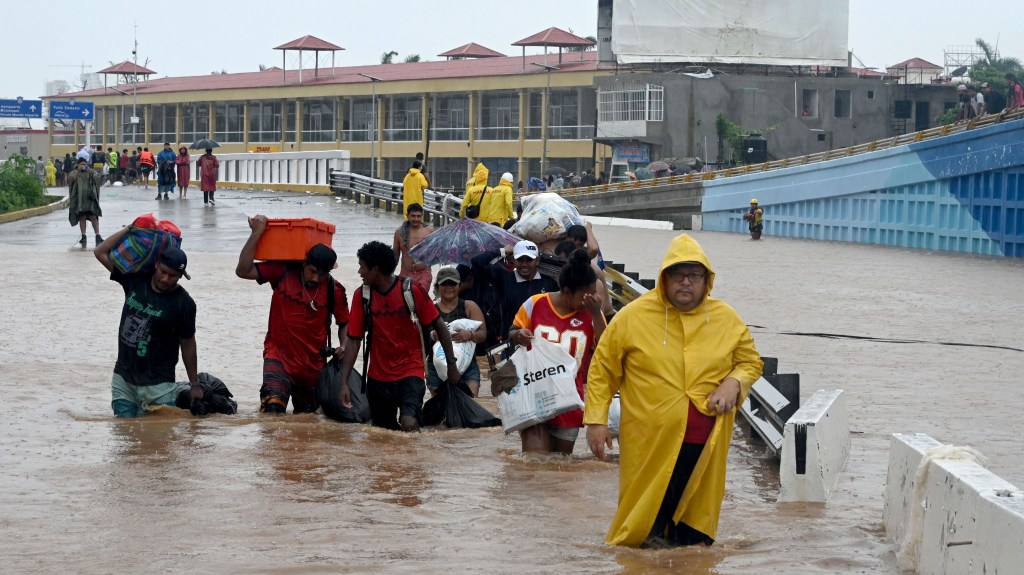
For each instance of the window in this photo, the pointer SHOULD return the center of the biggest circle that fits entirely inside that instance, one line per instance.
(563, 115)
(843, 104)
(318, 120)
(228, 126)
(162, 124)
(808, 104)
(289, 121)
(871, 94)
(499, 116)
(450, 118)
(361, 121)
(448, 174)
(404, 120)
(631, 102)
(195, 121)
(111, 130)
(265, 121)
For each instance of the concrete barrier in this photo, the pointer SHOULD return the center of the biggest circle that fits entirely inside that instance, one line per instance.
(815, 446)
(947, 513)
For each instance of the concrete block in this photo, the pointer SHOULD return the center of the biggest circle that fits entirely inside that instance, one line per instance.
(815, 446)
(905, 454)
(696, 222)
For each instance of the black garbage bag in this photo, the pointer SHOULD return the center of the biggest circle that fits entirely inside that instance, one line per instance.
(328, 389)
(455, 407)
(216, 397)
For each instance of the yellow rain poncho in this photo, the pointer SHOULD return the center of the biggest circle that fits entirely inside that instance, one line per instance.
(659, 359)
(475, 191)
(412, 189)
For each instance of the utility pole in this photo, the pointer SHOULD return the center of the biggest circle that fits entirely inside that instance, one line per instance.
(545, 120)
(373, 134)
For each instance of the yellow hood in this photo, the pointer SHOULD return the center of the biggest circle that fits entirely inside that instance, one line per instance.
(684, 249)
(480, 175)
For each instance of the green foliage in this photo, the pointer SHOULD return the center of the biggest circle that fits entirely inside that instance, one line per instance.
(731, 136)
(412, 58)
(993, 68)
(388, 57)
(19, 189)
(948, 117)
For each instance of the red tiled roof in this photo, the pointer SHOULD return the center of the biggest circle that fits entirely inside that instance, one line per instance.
(554, 37)
(309, 43)
(471, 50)
(127, 67)
(866, 72)
(916, 63)
(468, 68)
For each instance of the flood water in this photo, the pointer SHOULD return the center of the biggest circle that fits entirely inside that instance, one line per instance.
(169, 493)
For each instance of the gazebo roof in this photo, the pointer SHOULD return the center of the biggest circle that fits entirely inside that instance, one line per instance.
(554, 37)
(311, 43)
(128, 68)
(471, 50)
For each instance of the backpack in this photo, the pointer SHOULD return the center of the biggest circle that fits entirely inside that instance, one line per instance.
(473, 210)
(410, 304)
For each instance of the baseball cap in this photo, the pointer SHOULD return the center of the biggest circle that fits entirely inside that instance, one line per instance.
(984, 84)
(175, 259)
(448, 274)
(961, 88)
(525, 248)
(322, 258)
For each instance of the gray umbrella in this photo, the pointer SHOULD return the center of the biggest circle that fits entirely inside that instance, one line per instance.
(204, 144)
(658, 166)
(556, 171)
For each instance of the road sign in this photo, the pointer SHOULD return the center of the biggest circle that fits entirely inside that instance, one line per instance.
(21, 108)
(71, 111)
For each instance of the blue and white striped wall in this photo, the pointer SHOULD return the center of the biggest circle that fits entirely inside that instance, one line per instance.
(963, 192)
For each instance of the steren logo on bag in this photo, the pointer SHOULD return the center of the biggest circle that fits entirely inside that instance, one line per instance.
(531, 377)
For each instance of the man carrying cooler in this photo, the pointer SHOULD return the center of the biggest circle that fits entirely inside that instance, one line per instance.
(296, 342)
(158, 318)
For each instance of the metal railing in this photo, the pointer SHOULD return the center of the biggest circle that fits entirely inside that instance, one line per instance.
(773, 399)
(963, 126)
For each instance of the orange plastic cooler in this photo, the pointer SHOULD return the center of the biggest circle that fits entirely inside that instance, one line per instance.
(291, 238)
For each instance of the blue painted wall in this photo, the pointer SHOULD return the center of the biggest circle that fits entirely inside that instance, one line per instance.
(963, 192)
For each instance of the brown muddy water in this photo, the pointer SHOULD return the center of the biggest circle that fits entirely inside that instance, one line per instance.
(169, 493)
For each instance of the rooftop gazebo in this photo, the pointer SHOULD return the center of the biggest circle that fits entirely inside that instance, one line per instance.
(471, 50)
(127, 72)
(307, 44)
(553, 37)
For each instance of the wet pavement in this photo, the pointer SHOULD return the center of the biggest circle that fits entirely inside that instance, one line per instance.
(84, 492)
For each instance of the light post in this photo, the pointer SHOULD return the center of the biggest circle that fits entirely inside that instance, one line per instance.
(373, 134)
(544, 117)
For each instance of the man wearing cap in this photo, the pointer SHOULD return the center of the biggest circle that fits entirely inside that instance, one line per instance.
(158, 318)
(682, 361)
(755, 219)
(300, 311)
(512, 287)
(966, 108)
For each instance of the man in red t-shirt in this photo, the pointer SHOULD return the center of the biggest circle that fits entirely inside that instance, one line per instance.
(296, 342)
(395, 379)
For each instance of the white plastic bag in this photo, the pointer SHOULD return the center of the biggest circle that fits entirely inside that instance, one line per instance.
(546, 386)
(614, 414)
(463, 350)
(545, 217)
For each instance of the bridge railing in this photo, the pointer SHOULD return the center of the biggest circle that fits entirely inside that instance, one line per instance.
(963, 126)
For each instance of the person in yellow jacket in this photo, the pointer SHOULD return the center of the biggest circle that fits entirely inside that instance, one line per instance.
(475, 190)
(412, 187)
(682, 362)
(50, 177)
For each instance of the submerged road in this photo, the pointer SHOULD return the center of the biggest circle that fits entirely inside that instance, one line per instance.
(84, 492)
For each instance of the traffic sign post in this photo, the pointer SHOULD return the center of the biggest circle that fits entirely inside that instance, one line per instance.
(21, 108)
(74, 110)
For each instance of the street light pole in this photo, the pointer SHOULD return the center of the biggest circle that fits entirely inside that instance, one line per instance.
(373, 134)
(545, 118)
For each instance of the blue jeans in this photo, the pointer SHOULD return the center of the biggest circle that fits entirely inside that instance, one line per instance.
(472, 373)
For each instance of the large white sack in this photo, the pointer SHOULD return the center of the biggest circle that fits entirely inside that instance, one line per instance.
(463, 350)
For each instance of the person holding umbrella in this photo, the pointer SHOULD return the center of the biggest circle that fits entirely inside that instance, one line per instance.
(207, 167)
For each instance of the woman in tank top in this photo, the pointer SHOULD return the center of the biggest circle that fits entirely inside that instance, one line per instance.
(452, 307)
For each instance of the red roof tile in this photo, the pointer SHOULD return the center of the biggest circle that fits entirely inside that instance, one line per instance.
(309, 43)
(127, 67)
(468, 68)
(916, 63)
(471, 50)
(554, 37)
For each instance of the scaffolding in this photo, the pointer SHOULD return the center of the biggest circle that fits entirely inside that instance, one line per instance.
(963, 57)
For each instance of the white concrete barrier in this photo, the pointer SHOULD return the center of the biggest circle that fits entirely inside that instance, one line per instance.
(815, 446)
(948, 514)
(628, 223)
(294, 171)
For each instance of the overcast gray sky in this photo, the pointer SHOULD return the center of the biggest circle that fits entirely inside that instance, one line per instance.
(191, 38)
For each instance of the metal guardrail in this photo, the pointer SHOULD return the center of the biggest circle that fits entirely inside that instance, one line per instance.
(773, 399)
(962, 126)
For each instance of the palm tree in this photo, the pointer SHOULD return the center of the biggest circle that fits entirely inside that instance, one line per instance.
(993, 68)
(412, 58)
(386, 57)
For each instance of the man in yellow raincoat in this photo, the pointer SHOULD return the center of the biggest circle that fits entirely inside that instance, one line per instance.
(682, 361)
(476, 187)
(412, 187)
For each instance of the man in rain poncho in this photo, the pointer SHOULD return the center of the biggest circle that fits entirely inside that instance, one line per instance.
(475, 191)
(682, 361)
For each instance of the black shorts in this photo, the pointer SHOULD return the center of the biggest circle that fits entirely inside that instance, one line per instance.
(146, 170)
(404, 396)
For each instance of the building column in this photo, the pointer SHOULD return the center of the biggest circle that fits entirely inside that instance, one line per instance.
(470, 158)
(212, 124)
(179, 124)
(524, 121)
(147, 111)
(544, 161)
(378, 129)
(284, 124)
(245, 125)
(298, 124)
(339, 121)
(424, 124)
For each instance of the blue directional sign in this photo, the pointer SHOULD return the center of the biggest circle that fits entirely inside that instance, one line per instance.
(72, 110)
(21, 108)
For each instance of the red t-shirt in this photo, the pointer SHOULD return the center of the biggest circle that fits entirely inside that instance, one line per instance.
(573, 332)
(295, 331)
(396, 350)
(698, 426)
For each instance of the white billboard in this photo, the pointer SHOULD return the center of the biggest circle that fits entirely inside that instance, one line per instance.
(778, 33)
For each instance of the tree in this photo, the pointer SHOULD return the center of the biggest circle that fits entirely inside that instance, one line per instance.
(583, 48)
(386, 57)
(993, 67)
(412, 58)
